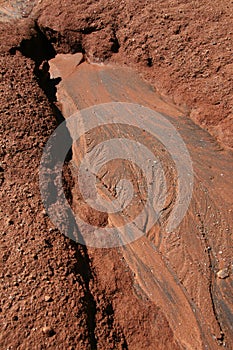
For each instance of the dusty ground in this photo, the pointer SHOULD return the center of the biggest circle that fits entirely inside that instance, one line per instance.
(60, 295)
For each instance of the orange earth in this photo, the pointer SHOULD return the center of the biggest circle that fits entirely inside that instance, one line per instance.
(164, 290)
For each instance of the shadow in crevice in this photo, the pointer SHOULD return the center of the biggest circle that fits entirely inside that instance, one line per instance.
(38, 47)
(83, 267)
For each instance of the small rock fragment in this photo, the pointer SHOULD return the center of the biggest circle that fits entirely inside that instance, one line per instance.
(48, 331)
(9, 221)
(64, 64)
(223, 273)
(47, 298)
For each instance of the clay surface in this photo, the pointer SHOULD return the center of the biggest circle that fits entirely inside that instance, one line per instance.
(158, 280)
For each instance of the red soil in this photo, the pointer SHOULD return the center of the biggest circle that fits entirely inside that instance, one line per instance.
(56, 294)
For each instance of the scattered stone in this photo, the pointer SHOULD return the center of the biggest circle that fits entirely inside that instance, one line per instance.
(48, 331)
(47, 298)
(223, 273)
(9, 222)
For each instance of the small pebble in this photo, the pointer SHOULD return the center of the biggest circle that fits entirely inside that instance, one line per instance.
(223, 273)
(48, 331)
(9, 221)
(47, 298)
